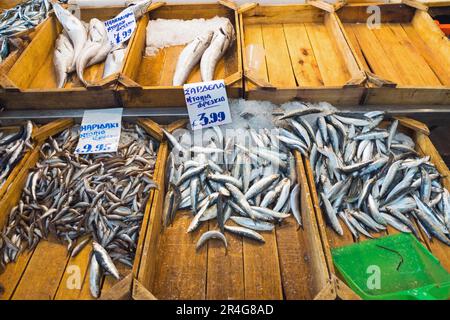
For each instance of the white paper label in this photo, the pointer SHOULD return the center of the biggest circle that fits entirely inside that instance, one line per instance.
(100, 131)
(121, 27)
(207, 104)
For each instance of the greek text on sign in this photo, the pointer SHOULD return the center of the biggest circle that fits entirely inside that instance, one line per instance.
(121, 27)
(207, 104)
(100, 131)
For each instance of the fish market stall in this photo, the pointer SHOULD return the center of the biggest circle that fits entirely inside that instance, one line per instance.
(61, 203)
(298, 52)
(406, 57)
(186, 257)
(69, 65)
(177, 44)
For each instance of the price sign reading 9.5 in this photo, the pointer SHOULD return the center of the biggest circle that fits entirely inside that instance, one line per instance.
(100, 131)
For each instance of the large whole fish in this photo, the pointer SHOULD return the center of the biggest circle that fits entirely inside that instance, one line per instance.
(62, 59)
(189, 58)
(81, 199)
(74, 28)
(221, 41)
(95, 49)
(114, 61)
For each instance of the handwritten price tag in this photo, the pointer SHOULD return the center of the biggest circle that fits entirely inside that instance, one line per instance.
(207, 104)
(100, 131)
(121, 27)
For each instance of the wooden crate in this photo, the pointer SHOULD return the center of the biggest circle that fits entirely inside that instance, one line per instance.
(330, 239)
(44, 272)
(290, 265)
(407, 59)
(306, 56)
(31, 81)
(147, 81)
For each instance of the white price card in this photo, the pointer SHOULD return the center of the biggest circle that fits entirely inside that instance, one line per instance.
(100, 131)
(121, 27)
(207, 104)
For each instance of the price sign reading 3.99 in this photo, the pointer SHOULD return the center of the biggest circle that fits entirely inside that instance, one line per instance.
(207, 104)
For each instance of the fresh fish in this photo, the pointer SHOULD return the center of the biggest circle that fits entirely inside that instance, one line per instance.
(211, 235)
(114, 61)
(74, 29)
(189, 58)
(104, 260)
(62, 59)
(246, 233)
(220, 42)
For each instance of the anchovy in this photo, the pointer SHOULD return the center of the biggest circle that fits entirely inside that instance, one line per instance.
(211, 235)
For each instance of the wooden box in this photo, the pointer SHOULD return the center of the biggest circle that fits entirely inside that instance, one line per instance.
(147, 81)
(406, 56)
(330, 239)
(290, 265)
(43, 273)
(306, 56)
(31, 81)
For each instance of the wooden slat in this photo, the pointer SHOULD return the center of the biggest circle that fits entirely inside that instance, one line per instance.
(331, 64)
(225, 273)
(180, 270)
(261, 269)
(421, 67)
(304, 64)
(12, 274)
(67, 292)
(41, 279)
(279, 66)
(439, 65)
(379, 62)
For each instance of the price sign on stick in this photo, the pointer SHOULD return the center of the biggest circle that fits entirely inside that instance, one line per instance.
(100, 131)
(207, 104)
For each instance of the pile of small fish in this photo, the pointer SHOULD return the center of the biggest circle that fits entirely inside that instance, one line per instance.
(12, 148)
(80, 45)
(370, 177)
(24, 16)
(238, 177)
(78, 197)
(208, 49)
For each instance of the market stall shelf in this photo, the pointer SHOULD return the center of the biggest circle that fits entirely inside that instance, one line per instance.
(330, 239)
(305, 56)
(405, 55)
(290, 265)
(48, 272)
(31, 82)
(146, 81)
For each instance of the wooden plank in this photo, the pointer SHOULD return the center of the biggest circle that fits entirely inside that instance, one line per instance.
(121, 290)
(330, 61)
(421, 67)
(276, 14)
(439, 65)
(43, 274)
(378, 60)
(304, 63)
(78, 265)
(262, 270)
(279, 65)
(10, 277)
(225, 273)
(356, 48)
(180, 270)
(151, 69)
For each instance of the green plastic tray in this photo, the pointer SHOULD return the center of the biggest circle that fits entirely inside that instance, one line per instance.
(396, 267)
